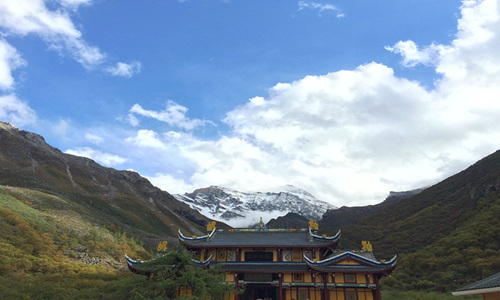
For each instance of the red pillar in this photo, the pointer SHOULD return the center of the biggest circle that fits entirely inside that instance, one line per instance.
(377, 296)
(281, 287)
(326, 295)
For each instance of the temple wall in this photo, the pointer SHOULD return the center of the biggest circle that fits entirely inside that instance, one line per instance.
(302, 293)
(351, 293)
(491, 296)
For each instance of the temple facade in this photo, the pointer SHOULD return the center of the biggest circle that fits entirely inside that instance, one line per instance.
(288, 264)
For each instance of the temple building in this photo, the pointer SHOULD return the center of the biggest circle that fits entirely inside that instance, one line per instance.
(291, 264)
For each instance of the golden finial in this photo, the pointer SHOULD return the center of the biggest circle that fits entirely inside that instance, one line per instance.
(162, 246)
(313, 225)
(211, 226)
(367, 246)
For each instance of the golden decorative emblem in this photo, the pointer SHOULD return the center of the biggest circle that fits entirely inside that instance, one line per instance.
(366, 246)
(162, 246)
(313, 225)
(211, 226)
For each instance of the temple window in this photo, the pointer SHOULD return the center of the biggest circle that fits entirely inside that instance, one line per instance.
(350, 295)
(221, 255)
(297, 254)
(259, 256)
(298, 277)
(349, 277)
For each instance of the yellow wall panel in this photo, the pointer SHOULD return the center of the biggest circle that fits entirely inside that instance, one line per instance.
(360, 278)
(336, 294)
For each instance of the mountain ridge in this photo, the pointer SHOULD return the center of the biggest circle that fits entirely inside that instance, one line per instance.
(122, 198)
(242, 209)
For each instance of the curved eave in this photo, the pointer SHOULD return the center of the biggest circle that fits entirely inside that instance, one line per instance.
(339, 257)
(189, 240)
(130, 261)
(134, 266)
(354, 269)
(202, 263)
(330, 239)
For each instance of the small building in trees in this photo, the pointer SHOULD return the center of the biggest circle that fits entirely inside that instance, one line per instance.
(488, 287)
(290, 264)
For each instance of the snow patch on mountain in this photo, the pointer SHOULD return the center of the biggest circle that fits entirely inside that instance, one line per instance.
(243, 209)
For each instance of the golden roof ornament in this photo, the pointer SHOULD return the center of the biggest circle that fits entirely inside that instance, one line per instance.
(162, 246)
(367, 247)
(313, 225)
(211, 226)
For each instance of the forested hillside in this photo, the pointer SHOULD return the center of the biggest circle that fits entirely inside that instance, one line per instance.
(446, 236)
(50, 252)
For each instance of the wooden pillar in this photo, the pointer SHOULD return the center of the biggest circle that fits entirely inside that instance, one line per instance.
(378, 295)
(236, 285)
(326, 294)
(281, 287)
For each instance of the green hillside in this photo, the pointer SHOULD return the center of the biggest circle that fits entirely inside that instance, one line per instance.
(50, 252)
(445, 237)
(122, 199)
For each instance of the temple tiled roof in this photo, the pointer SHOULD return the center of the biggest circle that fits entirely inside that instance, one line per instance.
(487, 285)
(366, 260)
(253, 238)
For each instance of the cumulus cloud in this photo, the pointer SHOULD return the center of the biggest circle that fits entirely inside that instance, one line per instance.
(320, 7)
(16, 111)
(53, 26)
(10, 60)
(170, 183)
(351, 136)
(146, 138)
(412, 56)
(173, 114)
(106, 159)
(125, 70)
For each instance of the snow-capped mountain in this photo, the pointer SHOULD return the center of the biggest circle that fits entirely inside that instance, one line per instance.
(241, 209)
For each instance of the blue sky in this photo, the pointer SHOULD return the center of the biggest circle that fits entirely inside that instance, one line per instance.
(345, 99)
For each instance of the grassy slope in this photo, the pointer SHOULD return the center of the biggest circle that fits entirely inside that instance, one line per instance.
(48, 251)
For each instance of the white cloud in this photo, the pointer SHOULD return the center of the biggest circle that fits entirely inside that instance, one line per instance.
(61, 128)
(106, 159)
(412, 56)
(75, 4)
(9, 61)
(146, 138)
(125, 70)
(349, 137)
(320, 7)
(174, 115)
(94, 139)
(54, 27)
(170, 183)
(16, 112)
